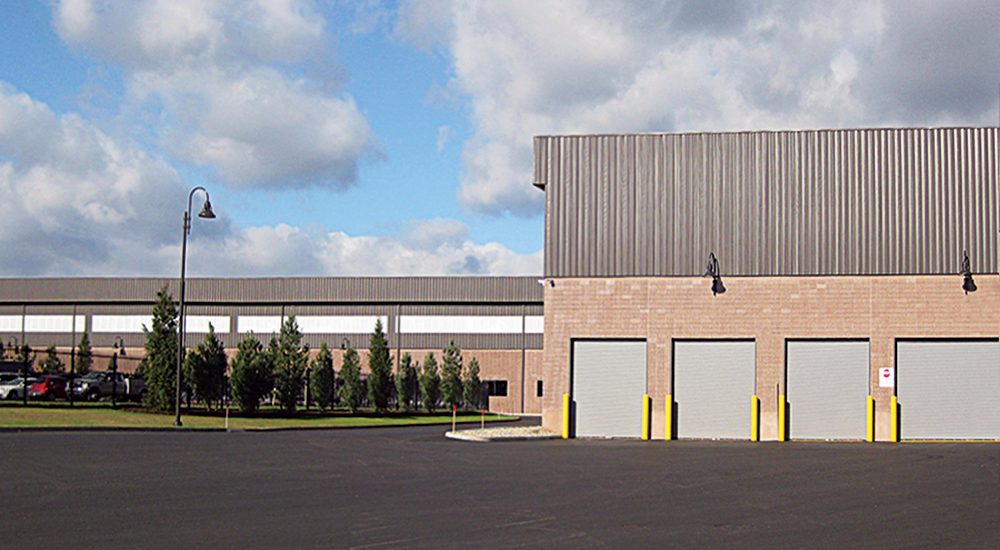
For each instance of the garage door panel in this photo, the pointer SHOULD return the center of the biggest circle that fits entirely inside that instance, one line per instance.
(713, 382)
(827, 388)
(948, 389)
(609, 380)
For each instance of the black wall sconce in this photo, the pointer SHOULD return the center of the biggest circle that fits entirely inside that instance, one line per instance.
(968, 285)
(713, 271)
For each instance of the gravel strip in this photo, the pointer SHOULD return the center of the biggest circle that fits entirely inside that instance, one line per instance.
(510, 433)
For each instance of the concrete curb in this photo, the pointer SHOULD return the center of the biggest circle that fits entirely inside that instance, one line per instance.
(470, 435)
(10, 429)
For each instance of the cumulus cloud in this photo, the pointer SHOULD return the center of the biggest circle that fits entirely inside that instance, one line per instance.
(79, 202)
(76, 201)
(561, 67)
(211, 72)
(427, 247)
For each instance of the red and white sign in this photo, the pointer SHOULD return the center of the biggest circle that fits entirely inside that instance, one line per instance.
(887, 377)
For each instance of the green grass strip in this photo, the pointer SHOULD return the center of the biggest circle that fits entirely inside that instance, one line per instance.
(102, 415)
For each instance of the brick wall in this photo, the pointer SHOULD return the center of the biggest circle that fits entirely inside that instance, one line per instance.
(768, 310)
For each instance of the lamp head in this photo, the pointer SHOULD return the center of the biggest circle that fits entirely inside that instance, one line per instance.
(206, 211)
(968, 285)
(717, 286)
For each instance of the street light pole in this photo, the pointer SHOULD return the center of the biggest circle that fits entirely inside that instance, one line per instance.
(206, 212)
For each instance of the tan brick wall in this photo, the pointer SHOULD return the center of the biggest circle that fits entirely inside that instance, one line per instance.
(766, 309)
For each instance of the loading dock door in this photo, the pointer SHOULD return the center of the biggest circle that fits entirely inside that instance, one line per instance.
(827, 389)
(609, 380)
(948, 389)
(713, 383)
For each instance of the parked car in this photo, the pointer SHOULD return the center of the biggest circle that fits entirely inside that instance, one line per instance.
(98, 384)
(14, 389)
(48, 388)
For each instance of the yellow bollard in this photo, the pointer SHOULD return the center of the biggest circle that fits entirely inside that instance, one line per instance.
(894, 415)
(645, 417)
(754, 418)
(668, 431)
(782, 421)
(565, 411)
(870, 415)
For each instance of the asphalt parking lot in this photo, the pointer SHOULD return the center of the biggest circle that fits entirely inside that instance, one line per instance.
(413, 488)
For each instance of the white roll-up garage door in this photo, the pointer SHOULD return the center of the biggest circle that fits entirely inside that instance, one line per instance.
(713, 383)
(948, 389)
(609, 380)
(827, 389)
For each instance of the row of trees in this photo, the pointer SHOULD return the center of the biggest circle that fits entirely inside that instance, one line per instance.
(280, 368)
(51, 363)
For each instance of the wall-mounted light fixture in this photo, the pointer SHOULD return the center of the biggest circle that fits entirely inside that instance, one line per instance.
(549, 282)
(968, 285)
(344, 344)
(713, 270)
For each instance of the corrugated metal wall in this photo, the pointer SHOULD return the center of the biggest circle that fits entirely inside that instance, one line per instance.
(826, 202)
(289, 290)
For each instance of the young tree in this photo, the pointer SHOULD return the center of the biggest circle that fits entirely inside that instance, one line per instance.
(323, 378)
(352, 392)
(451, 375)
(51, 364)
(406, 382)
(290, 361)
(252, 374)
(160, 364)
(205, 368)
(430, 383)
(380, 367)
(84, 355)
(473, 386)
(26, 356)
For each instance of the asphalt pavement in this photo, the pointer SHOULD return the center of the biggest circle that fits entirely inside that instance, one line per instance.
(413, 488)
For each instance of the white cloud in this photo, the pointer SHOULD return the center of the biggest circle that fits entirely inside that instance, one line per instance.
(212, 73)
(258, 128)
(428, 247)
(443, 136)
(75, 201)
(78, 202)
(530, 68)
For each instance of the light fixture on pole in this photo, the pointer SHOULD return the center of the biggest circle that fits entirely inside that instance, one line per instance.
(968, 285)
(206, 212)
(119, 346)
(713, 270)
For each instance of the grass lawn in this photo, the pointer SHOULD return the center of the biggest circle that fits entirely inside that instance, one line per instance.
(101, 415)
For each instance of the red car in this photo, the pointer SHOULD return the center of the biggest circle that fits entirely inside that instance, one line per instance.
(49, 388)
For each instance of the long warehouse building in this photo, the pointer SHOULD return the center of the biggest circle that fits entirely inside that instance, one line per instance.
(497, 320)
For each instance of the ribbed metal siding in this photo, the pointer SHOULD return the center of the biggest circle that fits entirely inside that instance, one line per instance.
(713, 383)
(827, 389)
(609, 380)
(948, 390)
(826, 202)
(315, 290)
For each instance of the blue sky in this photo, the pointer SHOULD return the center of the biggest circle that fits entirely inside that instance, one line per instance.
(394, 138)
